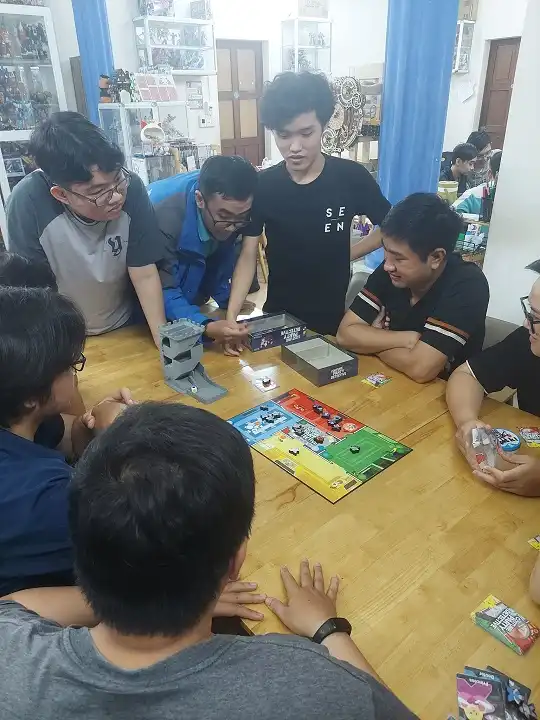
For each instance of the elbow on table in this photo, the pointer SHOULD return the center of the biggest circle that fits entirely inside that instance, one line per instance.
(345, 337)
(422, 374)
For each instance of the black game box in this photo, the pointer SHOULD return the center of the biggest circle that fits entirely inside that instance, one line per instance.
(319, 361)
(274, 329)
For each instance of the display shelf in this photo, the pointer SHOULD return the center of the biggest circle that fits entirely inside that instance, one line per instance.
(141, 19)
(306, 44)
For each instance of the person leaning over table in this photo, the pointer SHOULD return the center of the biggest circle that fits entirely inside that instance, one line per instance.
(514, 363)
(423, 310)
(90, 220)
(201, 215)
(160, 519)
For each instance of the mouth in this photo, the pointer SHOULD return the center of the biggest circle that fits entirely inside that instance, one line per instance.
(394, 278)
(297, 160)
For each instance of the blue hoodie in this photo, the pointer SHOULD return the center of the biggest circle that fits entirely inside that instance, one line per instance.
(192, 270)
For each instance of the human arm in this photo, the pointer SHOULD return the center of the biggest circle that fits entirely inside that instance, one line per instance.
(464, 397)
(534, 585)
(523, 478)
(245, 269)
(148, 288)
(369, 201)
(422, 363)
(23, 224)
(355, 334)
(368, 244)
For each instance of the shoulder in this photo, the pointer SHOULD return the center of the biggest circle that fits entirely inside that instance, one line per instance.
(462, 273)
(274, 173)
(350, 168)
(177, 185)
(34, 192)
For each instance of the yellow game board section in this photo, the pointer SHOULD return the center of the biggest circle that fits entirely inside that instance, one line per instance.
(329, 480)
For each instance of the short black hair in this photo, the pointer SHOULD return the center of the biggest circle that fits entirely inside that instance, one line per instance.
(42, 335)
(18, 271)
(495, 162)
(67, 145)
(160, 503)
(229, 175)
(425, 222)
(291, 94)
(479, 138)
(464, 151)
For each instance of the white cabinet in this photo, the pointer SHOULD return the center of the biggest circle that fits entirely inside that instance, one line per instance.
(31, 88)
(306, 44)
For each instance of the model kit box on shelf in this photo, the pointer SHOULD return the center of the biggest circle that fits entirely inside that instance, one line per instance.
(274, 329)
(320, 361)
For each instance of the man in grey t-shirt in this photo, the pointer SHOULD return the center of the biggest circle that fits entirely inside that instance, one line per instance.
(91, 221)
(160, 519)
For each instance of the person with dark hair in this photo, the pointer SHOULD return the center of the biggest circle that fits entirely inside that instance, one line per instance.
(306, 205)
(201, 215)
(90, 220)
(19, 271)
(461, 166)
(160, 519)
(42, 336)
(470, 202)
(482, 142)
(515, 363)
(423, 310)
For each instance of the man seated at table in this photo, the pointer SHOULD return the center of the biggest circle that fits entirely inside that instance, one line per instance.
(90, 219)
(461, 166)
(471, 200)
(161, 508)
(201, 215)
(514, 363)
(482, 142)
(423, 310)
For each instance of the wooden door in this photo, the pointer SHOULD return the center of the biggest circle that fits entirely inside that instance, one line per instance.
(240, 84)
(501, 69)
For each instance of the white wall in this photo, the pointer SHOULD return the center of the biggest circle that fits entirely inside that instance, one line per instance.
(513, 237)
(496, 19)
(66, 39)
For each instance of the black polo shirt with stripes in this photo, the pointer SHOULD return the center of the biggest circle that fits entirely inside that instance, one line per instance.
(450, 317)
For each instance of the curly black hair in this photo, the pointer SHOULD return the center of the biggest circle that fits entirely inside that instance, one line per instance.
(292, 94)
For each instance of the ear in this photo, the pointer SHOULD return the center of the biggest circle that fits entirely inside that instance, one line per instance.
(59, 194)
(199, 199)
(437, 257)
(237, 561)
(31, 405)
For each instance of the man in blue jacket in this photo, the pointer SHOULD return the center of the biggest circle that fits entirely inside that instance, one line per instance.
(202, 215)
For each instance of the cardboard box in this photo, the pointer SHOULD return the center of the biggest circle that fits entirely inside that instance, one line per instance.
(274, 329)
(320, 361)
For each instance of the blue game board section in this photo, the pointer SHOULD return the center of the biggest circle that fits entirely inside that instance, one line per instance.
(253, 427)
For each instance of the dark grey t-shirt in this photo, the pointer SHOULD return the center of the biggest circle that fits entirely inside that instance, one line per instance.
(90, 259)
(56, 674)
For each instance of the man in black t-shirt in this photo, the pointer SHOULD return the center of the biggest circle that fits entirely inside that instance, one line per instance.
(461, 166)
(306, 205)
(514, 363)
(423, 310)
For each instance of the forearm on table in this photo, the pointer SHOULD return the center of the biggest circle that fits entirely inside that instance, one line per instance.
(343, 647)
(241, 281)
(63, 605)
(464, 396)
(367, 340)
(148, 288)
(371, 242)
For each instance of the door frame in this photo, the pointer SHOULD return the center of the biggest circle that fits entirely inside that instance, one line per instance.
(258, 47)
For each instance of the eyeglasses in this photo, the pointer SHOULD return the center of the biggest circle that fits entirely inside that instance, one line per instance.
(105, 197)
(78, 366)
(529, 314)
(224, 224)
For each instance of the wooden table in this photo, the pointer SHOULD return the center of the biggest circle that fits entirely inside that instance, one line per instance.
(417, 547)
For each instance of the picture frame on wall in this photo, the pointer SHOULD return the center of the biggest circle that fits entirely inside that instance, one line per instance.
(313, 8)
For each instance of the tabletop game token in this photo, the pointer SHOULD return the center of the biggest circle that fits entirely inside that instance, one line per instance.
(531, 435)
(318, 409)
(294, 451)
(508, 440)
(338, 418)
(319, 439)
(354, 449)
(266, 381)
(325, 415)
(264, 407)
(337, 427)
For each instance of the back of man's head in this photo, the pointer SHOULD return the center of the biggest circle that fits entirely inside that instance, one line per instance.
(425, 222)
(160, 504)
(292, 94)
(495, 163)
(465, 152)
(67, 146)
(18, 271)
(480, 139)
(231, 176)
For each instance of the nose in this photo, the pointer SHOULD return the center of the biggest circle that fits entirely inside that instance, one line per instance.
(389, 265)
(296, 146)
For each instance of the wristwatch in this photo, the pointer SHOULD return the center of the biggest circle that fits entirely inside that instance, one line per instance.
(331, 626)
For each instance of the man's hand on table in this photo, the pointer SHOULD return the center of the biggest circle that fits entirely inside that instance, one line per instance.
(226, 331)
(522, 479)
(107, 410)
(235, 597)
(308, 606)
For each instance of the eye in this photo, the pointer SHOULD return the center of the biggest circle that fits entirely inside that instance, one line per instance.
(308, 133)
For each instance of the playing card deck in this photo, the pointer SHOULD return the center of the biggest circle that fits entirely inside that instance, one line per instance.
(492, 695)
(505, 624)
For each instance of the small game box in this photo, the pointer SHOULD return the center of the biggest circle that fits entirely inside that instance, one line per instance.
(505, 624)
(269, 331)
(319, 361)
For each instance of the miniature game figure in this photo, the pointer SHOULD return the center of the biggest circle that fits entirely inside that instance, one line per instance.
(354, 449)
(294, 451)
(325, 415)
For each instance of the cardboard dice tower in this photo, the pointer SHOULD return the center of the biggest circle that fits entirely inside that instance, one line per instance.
(319, 361)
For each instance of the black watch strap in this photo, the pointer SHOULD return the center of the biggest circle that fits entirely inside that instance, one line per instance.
(331, 626)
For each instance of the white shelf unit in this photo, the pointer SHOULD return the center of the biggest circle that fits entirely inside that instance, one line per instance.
(306, 44)
(463, 46)
(33, 77)
(185, 44)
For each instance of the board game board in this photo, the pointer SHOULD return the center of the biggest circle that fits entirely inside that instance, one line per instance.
(328, 451)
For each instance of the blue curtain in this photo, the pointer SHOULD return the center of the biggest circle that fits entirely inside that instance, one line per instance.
(420, 41)
(92, 25)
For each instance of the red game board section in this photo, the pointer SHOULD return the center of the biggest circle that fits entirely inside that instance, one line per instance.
(301, 404)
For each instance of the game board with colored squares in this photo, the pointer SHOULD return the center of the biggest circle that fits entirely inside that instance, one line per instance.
(331, 453)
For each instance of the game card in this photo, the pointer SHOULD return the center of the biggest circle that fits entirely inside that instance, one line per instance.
(480, 698)
(376, 380)
(531, 435)
(535, 542)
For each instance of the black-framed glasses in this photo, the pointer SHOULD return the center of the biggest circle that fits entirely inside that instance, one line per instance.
(78, 366)
(104, 198)
(529, 314)
(225, 224)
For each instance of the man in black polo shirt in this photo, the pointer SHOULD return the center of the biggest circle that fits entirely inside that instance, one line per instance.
(514, 363)
(306, 205)
(423, 310)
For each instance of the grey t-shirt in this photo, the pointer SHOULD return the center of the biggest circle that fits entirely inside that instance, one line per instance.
(55, 674)
(89, 259)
